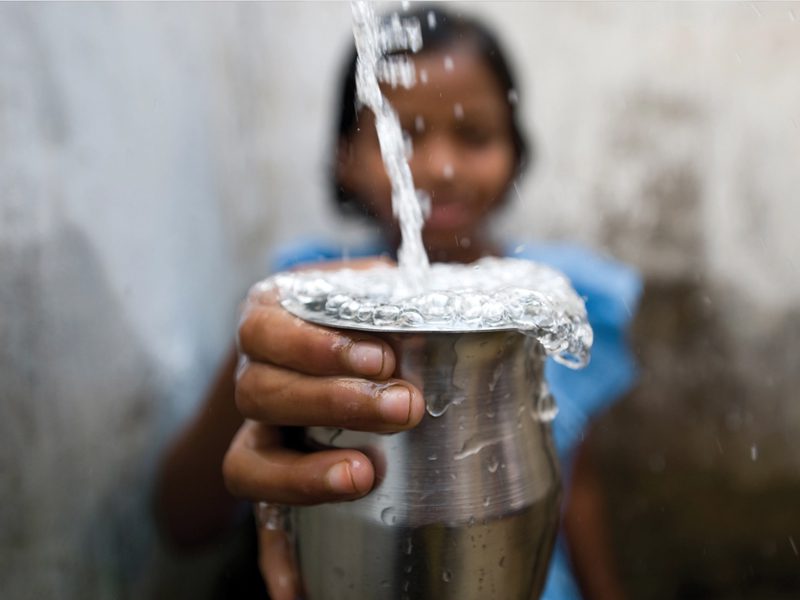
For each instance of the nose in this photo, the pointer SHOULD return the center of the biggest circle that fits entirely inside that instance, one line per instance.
(435, 162)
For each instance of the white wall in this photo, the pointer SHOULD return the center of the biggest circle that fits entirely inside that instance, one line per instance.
(151, 154)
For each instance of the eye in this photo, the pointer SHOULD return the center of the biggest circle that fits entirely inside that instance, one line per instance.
(474, 134)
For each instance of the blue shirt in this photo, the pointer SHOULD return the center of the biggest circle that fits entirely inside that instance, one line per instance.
(611, 291)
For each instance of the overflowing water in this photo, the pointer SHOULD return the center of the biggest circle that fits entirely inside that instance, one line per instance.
(491, 294)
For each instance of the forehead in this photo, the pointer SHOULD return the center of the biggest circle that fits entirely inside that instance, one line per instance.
(449, 76)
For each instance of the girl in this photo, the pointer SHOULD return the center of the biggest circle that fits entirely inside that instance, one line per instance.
(468, 149)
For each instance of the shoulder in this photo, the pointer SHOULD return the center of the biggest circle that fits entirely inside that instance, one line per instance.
(309, 250)
(610, 288)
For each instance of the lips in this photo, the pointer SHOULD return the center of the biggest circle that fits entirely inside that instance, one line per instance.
(447, 215)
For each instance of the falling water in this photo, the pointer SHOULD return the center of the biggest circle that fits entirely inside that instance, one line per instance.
(373, 41)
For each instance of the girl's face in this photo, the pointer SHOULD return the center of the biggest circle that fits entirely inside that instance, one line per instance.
(463, 153)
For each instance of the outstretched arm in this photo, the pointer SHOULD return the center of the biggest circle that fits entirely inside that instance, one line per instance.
(588, 537)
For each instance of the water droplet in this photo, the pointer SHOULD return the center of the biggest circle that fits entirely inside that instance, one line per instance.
(405, 4)
(754, 453)
(389, 515)
(502, 561)
(465, 242)
(448, 63)
(513, 97)
(408, 568)
(447, 171)
(385, 583)
(335, 435)
(431, 20)
(493, 465)
(432, 457)
(498, 371)
(546, 408)
(486, 501)
(419, 124)
(446, 576)
(471, 521)
(409, 545)
(458, 111)
(423, 76)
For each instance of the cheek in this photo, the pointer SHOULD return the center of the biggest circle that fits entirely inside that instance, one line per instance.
(490, 172)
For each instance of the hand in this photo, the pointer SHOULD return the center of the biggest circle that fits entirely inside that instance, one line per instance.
(294, 373)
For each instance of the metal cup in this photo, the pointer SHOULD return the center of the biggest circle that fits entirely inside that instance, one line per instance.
(465, 505)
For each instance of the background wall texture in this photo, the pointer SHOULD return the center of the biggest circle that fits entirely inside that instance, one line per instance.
(151, 155)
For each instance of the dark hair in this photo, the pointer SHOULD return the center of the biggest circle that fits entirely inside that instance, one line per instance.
(440, 29)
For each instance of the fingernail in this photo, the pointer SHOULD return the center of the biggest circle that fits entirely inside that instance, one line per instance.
(394, 404)
(366, 358)
(340, 479)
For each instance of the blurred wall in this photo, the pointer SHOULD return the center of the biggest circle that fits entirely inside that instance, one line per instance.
(151, 155)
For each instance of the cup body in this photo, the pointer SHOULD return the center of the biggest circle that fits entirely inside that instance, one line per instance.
(465, 505)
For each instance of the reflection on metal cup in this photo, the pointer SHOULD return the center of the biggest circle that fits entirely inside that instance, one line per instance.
(465, 505)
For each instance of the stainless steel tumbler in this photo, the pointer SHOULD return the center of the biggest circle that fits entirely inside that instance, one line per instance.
(466, 505)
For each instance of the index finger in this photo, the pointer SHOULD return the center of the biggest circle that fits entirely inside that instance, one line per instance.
(269, 333)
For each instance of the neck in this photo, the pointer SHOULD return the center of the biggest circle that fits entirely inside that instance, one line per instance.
(459, 250)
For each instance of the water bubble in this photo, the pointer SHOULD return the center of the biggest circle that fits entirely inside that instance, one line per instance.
(386, 315)
(389, 515)
(458, 111)
(432, 457)
(448, 171)
(365, 312)
(754, 453)
(486, 501)
(446, 576)
(493, 465)
(348, 310)
(419, 124)
(493, 312)
(408, 568)
(436, 307)
(448, 63)
(411, 317)
(335, 302)
(423, 76)
(409, 548)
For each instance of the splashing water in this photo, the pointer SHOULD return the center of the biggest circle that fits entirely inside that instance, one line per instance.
(373, 41)
(491, 294)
